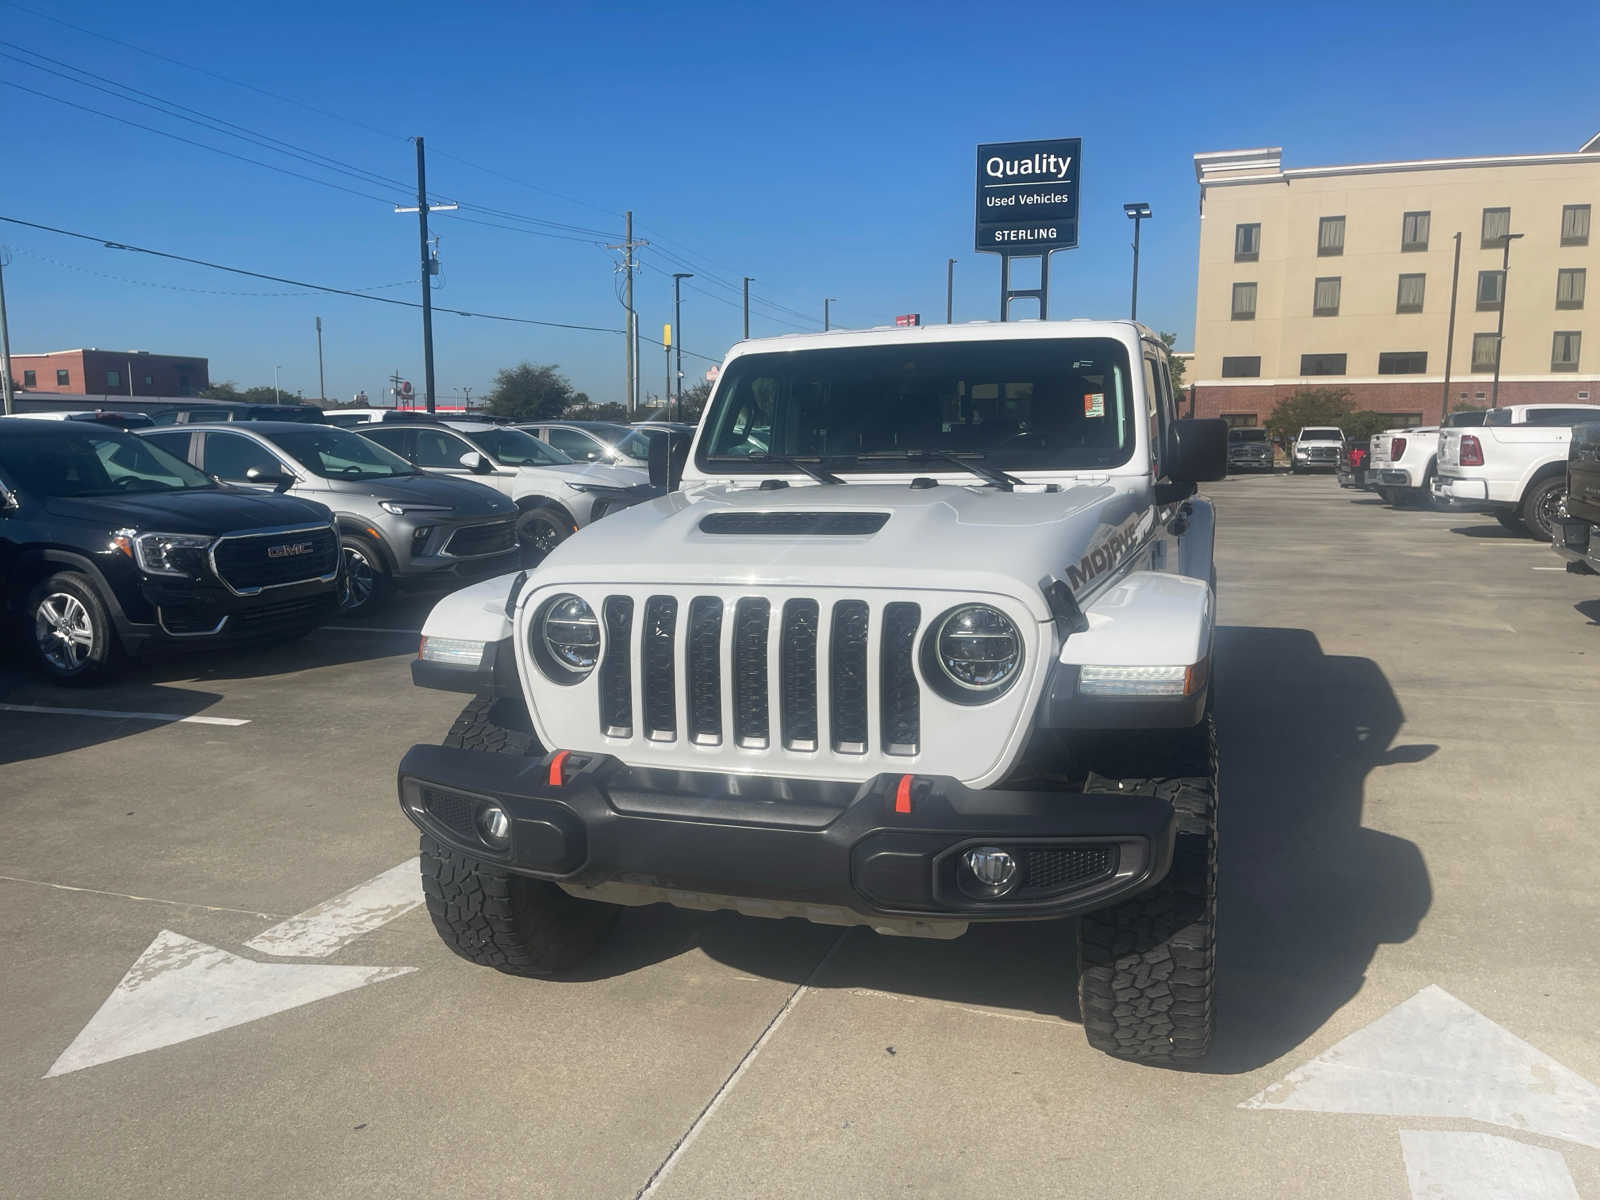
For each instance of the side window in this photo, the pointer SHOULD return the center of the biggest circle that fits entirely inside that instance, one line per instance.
(175, 444)
(230, 456)
(438, 449)
(573, 443)
(399, 441)
(1154, 373)
(1562, 416)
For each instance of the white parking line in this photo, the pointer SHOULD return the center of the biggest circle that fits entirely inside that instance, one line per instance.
(1547, 568)
(170, 718)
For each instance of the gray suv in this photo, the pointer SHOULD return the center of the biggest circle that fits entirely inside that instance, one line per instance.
(397, 526)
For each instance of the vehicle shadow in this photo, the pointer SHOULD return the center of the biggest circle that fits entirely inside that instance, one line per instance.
(26, 735)
(1306, 895)
(1494, 532)
(1589, 609)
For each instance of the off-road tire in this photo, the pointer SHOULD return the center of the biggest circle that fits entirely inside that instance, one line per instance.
(492, 917)
(1511, 520)
(100, 658)
(1147, 966)
(1539, 504)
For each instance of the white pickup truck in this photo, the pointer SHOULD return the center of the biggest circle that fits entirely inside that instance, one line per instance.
(1404, 461)
(1514, 466)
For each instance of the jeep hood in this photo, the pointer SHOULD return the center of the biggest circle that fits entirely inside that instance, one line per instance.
(944, 537)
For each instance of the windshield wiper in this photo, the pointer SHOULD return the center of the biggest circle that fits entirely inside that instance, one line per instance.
(970, 463)
(812, 467)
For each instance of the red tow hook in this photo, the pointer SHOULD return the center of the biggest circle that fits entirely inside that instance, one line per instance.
(902, 795)
(557, 774)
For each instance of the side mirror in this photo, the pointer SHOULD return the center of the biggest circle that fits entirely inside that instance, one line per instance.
(1197, 451)
(668, 456)
(476, 463)
(280, 481)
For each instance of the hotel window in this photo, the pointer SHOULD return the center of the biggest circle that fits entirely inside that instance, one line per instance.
(30, 379)
(1564, 350)
(1409, 298)
(1491, 290)
(1322, 364)
(1241, 366)
(1403, 362)
(1414, 230)
(1244, 302)
(62, 379)
(1325, 299)
(1247, 242)
(1239, 420)
(1484, 351)
(1575, 225)
(1496, 224)
(1330, 236)
(1570, 287)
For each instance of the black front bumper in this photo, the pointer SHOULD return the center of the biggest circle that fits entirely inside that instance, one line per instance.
(803, 842)
(181, 612)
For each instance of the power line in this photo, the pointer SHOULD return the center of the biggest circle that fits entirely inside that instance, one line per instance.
(734, 304)
(177, 287)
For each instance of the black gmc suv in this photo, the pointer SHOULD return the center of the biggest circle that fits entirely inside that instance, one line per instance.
(109, 546)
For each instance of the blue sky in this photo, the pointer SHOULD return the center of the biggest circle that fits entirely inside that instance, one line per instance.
(825, 149)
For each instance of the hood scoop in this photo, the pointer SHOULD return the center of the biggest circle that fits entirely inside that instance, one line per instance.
(791, 523)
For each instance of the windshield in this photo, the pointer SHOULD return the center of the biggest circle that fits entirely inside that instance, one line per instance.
(516, 448)
(94, 463)
(1247, 435)
(1046, 404)
(637, 443)
(1321, 435)
(335, 453)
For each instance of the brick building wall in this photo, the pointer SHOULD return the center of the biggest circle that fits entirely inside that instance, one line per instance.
(1401, 398)
(93, 372)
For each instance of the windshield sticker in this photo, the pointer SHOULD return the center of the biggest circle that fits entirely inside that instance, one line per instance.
(1094, 404)
(1109, 553)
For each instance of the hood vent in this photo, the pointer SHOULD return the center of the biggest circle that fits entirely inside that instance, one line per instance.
(830, 524)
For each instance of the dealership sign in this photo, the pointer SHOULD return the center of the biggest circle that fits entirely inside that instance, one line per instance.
(1028, 196)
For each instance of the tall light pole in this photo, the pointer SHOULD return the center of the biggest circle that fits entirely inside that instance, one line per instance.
(748, 280)
(5, 336)
(1137, 213)
(827, 314)
(277, 397)
(1450, 334)
(949, 291)
(677, 329)
(1500, 326)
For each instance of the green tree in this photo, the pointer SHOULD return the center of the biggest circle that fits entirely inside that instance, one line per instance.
(1309, 406)
(1175, 365)
(229, 390)
(694, 402)
(598, 412)
(1360, 426)
(533, 392)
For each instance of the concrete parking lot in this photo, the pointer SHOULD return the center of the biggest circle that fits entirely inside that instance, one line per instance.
(1408, 710)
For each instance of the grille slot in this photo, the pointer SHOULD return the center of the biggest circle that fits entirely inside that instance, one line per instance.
(660, 672)
(847, 677)
(750, 717)
(482, 539)
(901, 701)
(616, 668)
(797, 679)
(1048, 869)
(248, 564)
(705, 670)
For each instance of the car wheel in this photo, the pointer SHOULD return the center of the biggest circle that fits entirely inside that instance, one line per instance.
(67, 630)
(540, 529)
(363, 582)
(1540, 504)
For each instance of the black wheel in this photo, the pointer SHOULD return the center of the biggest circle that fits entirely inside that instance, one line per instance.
(363, 582)
(1510, 519)
(492, 917)
(67, 630)
(1539, 506)
(540, 529)
(1147, 967)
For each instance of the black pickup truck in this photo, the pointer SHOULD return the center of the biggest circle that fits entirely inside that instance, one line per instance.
(109, 545)
(1577, 528)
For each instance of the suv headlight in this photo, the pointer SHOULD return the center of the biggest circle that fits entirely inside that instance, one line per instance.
(169, 553)
(401, 508)
(972, 654)
(565, 638)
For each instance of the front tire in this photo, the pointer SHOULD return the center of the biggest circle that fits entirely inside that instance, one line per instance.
(363, 581)
(67, 630)
(540, 529)
(1147, 966)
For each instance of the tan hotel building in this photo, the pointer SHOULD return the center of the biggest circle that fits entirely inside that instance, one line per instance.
(1341, 277)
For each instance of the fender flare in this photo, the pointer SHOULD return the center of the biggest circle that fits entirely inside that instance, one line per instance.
(33, 565)
(350, 523)
(1538, 475)
(533, 500)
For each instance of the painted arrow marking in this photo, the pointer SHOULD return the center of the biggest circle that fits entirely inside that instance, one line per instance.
(1434, 1056)
(1481, 1166)
(327, 927)
(181, 989)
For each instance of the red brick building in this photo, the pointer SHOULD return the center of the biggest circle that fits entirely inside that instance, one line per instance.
(94, 372)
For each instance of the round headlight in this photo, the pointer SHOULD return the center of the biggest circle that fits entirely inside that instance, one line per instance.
(978, 650)
(569, 636)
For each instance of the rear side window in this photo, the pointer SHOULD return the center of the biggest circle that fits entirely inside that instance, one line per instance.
(574, 443)
(230, 456)
(1562, 416)
(393, 439)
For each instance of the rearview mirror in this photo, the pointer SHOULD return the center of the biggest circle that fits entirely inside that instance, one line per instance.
(476, 463)
(668, 456)
(279, 480)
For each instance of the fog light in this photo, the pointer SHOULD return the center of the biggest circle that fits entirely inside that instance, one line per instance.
(992, 867)
(494, 824)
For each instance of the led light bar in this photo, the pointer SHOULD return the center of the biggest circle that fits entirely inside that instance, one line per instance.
(460, 652)
(1134, 681)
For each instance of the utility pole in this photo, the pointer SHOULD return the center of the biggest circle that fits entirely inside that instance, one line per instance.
(1500, 326)
(677, 325)
(949, 291)
(5, 336)
(1450, 334)
(422, 209)
(277, 396)
(827, 315)
(468, 404)
(130, 379)
(631, 333)
(322, 383)
(747, 280)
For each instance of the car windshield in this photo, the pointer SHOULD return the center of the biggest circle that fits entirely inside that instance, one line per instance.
(1043, 404)
(1247, 435)
(336, 453)
(517, 448)
(637, 442)
(94, 463)
(1321, 435)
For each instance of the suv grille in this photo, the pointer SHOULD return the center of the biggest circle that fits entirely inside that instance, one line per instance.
(823, 696)
(493, 538)
(251, 561)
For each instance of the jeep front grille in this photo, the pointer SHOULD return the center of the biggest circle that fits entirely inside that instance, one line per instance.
(706, 664)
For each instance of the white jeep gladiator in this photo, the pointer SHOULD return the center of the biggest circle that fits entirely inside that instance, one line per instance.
(1514, 466)
(918, 635)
